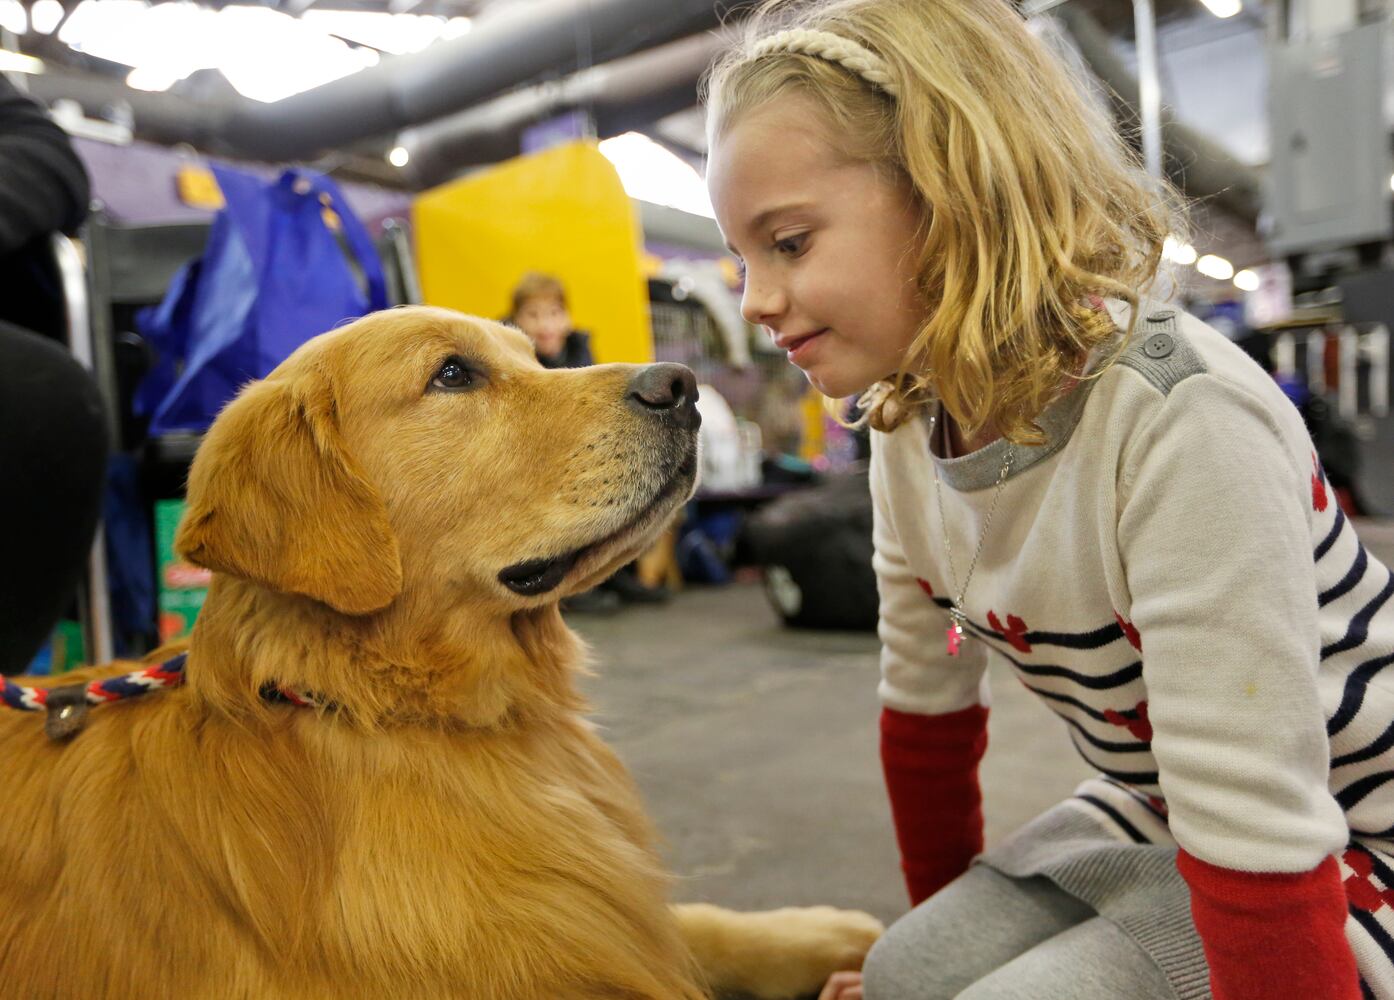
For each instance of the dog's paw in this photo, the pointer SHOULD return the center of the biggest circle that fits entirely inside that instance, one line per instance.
(787, 953)
(808, 944)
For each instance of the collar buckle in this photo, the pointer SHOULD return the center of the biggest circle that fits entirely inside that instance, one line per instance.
(67, 711)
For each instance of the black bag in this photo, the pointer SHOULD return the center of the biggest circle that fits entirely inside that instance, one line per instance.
(814, 547)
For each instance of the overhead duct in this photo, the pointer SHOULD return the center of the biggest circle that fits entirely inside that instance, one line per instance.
(161, 118)
(1195, 163)
(519, 43)
(621, 95)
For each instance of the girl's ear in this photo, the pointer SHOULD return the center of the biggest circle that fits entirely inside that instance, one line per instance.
(274, 498)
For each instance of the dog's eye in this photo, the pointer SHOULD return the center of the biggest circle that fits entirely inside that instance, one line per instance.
(452, 374)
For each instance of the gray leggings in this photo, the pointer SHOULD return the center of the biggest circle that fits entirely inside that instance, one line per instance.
(989, 937)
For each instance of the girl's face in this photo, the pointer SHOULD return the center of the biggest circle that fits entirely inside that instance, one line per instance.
(828, 245)
(546, 322)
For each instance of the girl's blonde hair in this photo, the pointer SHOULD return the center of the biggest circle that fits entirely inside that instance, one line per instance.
(1033, 204)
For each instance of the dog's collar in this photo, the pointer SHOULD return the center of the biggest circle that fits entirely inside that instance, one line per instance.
(67, 704)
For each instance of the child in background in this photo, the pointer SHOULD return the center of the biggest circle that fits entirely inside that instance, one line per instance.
(539, 310)
(1096, 488)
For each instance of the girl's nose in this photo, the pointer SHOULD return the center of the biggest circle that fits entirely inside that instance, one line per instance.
(761, 304)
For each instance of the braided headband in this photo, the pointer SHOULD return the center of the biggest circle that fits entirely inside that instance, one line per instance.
(834, 48)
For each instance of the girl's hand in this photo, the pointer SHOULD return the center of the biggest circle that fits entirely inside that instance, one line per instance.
(842, 986)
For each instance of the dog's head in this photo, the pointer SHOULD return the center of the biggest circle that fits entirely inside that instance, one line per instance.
(418, 456)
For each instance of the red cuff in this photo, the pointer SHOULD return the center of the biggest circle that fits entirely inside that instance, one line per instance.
(931, 768)
(1272, 936)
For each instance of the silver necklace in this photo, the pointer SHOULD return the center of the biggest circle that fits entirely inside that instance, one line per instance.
(953, 635)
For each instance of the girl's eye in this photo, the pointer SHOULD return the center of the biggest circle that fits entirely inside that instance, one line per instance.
(740, 268)
(791, 246)
(453, 374)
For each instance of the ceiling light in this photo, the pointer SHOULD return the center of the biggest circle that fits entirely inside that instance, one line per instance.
(1177, 252)
(45, 15)
(265, 54)
(650, 172)
(1215, 267)
(152, 78)
(1223, 8)
(1246, 280)
(399, 156)
(13, 17)
(14, 62)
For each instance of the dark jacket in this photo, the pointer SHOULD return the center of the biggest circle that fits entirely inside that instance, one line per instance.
(575, 352)
(43, 184)
(43, 190)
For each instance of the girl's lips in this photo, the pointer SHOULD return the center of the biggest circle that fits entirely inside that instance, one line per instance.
(799, 348)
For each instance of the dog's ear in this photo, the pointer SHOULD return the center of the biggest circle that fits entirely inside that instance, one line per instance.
(275, 498)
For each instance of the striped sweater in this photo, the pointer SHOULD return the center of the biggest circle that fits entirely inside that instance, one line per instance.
(1171, 574)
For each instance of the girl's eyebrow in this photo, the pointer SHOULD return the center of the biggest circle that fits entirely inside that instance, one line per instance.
(761, 220)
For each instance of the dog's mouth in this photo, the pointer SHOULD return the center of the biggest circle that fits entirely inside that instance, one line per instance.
(540, 576)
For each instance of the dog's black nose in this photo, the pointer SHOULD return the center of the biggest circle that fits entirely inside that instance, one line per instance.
(666, 390)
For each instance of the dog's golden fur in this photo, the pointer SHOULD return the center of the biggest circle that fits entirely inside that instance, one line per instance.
(444, 823)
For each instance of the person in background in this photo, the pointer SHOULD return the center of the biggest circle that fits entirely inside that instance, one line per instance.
(1091, 487)
(53, 435)
(540, 311)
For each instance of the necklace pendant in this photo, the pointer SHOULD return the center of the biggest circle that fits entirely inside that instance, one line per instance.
(953, 635)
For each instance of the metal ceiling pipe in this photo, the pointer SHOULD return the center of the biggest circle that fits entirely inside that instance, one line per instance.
(1199, 166)
(167, 119)
(519, 43)
(1149, 87)
(621, 95)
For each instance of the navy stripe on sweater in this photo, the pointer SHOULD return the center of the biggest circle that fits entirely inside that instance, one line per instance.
(1128, 777)
(1331, 535)
(1065, 699)
(1107, 745)
(1093, 639)
(1374, 748)
(1117, 817)
(1360, 625)
(1099, 637)
(1121, 676)
(1141, 800)
(1354, 693)
(1358, 789)
(1353, 576)
(1374, 929)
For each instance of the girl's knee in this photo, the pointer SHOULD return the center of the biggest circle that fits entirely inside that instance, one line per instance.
(880, 975)
(896, 968)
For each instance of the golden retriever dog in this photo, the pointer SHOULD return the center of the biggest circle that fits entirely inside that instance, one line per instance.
(391, 518)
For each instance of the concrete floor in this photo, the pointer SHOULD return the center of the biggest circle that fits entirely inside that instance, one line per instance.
(756, 748)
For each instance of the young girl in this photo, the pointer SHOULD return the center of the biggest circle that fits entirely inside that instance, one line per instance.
(1095, 487)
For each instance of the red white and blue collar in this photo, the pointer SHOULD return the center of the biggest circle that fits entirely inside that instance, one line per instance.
(67, 704)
